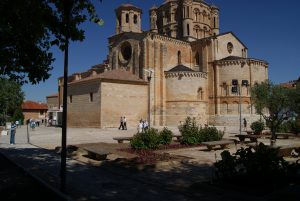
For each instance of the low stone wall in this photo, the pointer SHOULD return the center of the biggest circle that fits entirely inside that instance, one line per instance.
(232, 120)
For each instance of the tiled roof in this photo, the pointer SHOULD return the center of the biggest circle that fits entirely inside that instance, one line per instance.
(180, 67)
(117, 74)
(120, 74)
(31, 105)
(129, 6)
(289, 85)
(231, 58)
(52, 95)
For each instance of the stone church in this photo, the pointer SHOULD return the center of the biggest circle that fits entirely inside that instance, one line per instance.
(182, 66)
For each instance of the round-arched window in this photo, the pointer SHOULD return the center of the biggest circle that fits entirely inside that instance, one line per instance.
(229, 47)
(126, 51)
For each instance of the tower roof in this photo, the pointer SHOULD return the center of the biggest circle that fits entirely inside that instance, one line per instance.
(180, 67)
(154, 7)
(128, 6)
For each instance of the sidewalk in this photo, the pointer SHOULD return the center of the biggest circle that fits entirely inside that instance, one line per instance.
(87, 181)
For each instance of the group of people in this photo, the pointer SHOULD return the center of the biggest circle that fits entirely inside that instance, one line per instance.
(123, 123)
(143, 126)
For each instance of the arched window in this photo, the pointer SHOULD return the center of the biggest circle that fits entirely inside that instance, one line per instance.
(196, 15)
(204, 31)
(197, 31)
(197, 61)
(224, 108)
(214, 22)
(127, 18)
(135, 19)
(200, 94)
(179, 57)
(188, 29)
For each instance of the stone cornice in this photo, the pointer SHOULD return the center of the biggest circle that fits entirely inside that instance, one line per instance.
(241, 62)
(166, 38)
(190, 101)
(185, 74)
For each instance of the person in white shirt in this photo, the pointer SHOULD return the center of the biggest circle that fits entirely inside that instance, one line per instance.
(140, 127)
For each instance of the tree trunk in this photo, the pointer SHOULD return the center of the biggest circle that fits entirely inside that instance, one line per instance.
(273, 138)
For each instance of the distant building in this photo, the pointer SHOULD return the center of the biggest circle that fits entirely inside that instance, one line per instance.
(53, 102)
(289, 85)
(34, 110)
(189, 68)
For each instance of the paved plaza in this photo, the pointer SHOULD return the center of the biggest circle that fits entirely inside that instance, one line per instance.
(90, 180)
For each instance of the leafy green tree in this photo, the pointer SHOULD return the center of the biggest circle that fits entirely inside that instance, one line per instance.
(11, 98)
(273, 103)
(29, 28)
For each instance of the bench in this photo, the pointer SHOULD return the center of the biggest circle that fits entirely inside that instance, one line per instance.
(177, 136)
(249, 132)
(96, 154)
(284, 135)
(122, 139)
(253, 138)
(222, 143)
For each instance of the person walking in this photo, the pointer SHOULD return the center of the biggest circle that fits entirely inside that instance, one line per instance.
(124, 123)
(121, 123)
(17, 123)
(140, 126)
(12, 133)
(245, 124)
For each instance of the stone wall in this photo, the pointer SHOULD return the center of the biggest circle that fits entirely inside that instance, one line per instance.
(52, 102)
(34, 114)
(222, 41)
(186, 95)
(127, 100)
(82, 111)
(232, 120)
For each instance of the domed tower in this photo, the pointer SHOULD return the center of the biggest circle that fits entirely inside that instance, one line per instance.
(215, 20)
(187, 19)
(128, 19)
(153, 19)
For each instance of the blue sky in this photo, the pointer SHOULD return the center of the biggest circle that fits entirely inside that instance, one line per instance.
(270, 29)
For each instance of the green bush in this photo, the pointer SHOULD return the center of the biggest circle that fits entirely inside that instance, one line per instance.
(165, 136)
(288, 126)
(150, 139)
(262, 164)
(189, 131)
(257, 127)
(137, 141)
(210, 134)
(192, 133)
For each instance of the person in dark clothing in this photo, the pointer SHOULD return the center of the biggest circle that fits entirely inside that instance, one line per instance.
(245, 124)
(121, 123)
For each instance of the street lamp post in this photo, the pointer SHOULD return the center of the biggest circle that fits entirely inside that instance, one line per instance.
(149, 103)
(68, 4)
(240, 108)
(149, 98)
(237, 89)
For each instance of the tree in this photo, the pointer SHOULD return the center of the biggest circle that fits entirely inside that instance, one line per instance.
(11, 98)
(276, 100)
(29, 28)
